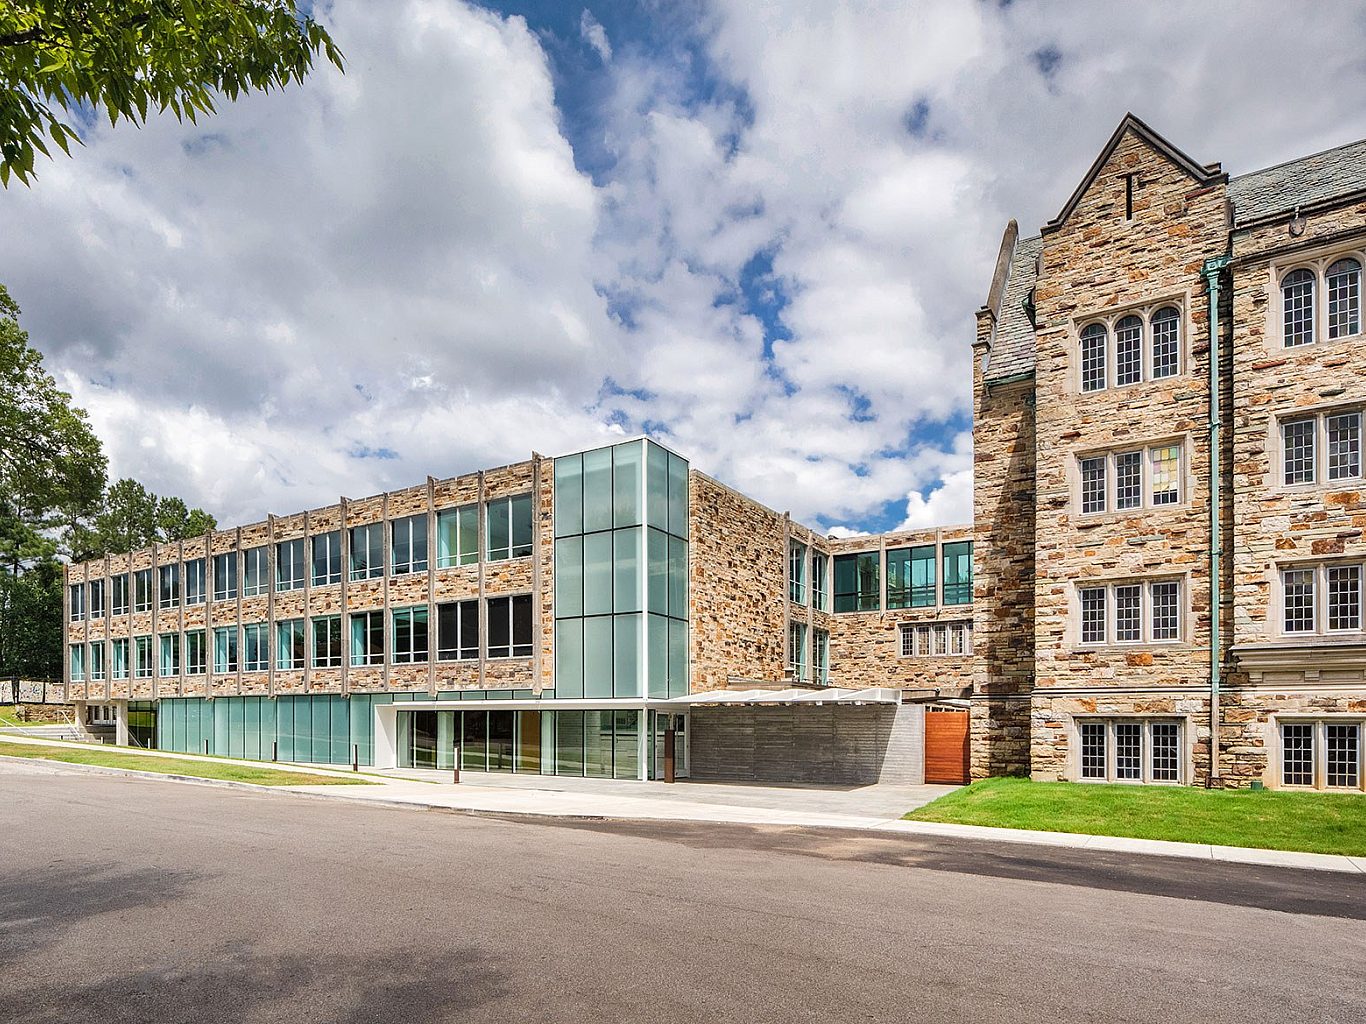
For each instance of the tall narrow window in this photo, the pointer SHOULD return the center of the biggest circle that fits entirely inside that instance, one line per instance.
(1093, 484)
(510, 626)
(1298, 456)
(1128, 480)
(327, 558)
(77, 663)
(168, 586)
(1093, 750)
(142, 590)
(820, 581)
(924, 569)
(118, 594)
(77, 601)
(1297, 306)
(410, 634)
(457, 536)
(796, 650)
(958, 572)
(225, 576)
(457, 631)
(225, 649)
(796, 572)
(255, 647)
(1297, 754)
(289, 644)
(1166, 754)
(118, 658)
(820, 651)
(170, 655)
(255, 572)
(1344, 299)
(367, 551)
(1344, 446)
(195, 653)
(97, 660)
(1166, 333)
(1342, 749)
(142, 663)
(1344, 597)
(1128, 614)
(509, 528)
(327, 641)
(194, 581)
(1092, 615)
(1129, 351)
(1129, 751)
(410, 545)
(898, 567)
(1297, 595)
(367, 638)
(1166, 613)
(97, 599)
(1093, 342)
(289, 564)
(1166, 468)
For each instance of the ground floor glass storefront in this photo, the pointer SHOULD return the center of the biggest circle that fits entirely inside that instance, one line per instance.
(601, 744)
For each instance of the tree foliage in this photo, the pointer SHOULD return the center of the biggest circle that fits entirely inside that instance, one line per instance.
(130, 58)
(31, 621)
(131, 517)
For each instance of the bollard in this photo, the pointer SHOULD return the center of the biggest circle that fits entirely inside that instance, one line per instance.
(275, 750)
(206, 748)
(355, 757)
(455, 762)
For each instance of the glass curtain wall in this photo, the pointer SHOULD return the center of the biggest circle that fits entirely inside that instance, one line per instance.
(621, 573)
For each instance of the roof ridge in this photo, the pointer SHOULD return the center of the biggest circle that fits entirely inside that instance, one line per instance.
(1297, 159)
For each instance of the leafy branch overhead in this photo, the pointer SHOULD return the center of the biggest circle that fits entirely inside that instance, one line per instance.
(132, 58)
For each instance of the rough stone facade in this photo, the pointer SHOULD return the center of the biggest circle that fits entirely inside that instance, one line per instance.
(1148, 230)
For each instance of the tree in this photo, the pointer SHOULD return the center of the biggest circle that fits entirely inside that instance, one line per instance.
(51, 463)
(31, 621)
(130, 57)
(131, 517)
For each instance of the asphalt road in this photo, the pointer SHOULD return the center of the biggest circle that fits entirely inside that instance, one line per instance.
(136, 900)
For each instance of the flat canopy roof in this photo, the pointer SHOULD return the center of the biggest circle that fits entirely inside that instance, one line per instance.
(833, 695)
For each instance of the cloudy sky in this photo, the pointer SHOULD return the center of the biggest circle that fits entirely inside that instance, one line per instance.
(757, 231)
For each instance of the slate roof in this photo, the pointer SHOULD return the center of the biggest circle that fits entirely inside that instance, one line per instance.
(1303, 182)
(1012, 346)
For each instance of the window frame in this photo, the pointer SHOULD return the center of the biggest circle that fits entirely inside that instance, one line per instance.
(513, 648)
(144, 664)
(858, 595)
(1110, 612)
(168, 643)
(142, 580)
(374, 535)
(260, 631)
(332, 637)
(412, 538)
(95, 599)
(515, 548)
(461, 649)
(371, 650)
(1318, 731)
(194, 651)
(231, 649)
(1109, 726)
(1148, 315)
(292, 572)
(194, 580)
(798, 650)
(797, 589)
(403, 627)
(117, 606)
(1321, 300)
(1320, 437)
(332, 555)
(459, 555)
(255, 563)
(168, 596)
(920, 639)
(1321, 597)
(1112, 474)
(226, 586)
(291, 644)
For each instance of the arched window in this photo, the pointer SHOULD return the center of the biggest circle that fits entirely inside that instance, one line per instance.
(1093, 340)
(1344, 298)
(1297, 305)
(1129, 350)
(1166, 342)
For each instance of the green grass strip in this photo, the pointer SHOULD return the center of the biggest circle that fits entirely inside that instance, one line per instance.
(227, 771)
(1267, 820)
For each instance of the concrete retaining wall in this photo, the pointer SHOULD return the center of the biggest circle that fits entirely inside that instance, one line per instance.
(833, 745)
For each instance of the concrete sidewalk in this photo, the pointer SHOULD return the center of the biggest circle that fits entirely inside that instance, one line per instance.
(866, 808)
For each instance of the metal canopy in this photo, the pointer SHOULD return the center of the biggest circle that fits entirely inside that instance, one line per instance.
(833, 695)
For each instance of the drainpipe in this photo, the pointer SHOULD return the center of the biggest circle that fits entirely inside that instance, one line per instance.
(1212, 271)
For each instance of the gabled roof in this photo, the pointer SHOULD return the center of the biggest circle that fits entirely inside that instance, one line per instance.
(1202, 174)
(1013, 342)
(1305, 182)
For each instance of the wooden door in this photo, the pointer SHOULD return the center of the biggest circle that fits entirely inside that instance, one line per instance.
(946, 746)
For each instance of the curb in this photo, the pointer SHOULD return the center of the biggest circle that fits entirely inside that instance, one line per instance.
(134, 773)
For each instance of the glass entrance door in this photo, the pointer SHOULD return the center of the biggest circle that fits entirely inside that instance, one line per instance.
(500, 740)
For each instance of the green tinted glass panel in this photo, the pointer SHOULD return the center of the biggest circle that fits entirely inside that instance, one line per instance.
(678, 496)
(568, 576)
(597, 742)
(626, 483)
(597, 490)
(657, 561)
(597, 574)
(657, 486)
(958, 572)
(657, 655)
(626, 570)
(569, 657)
(569, 743)
(568, 495)
(597, 657)
(626, 680)
(678, 658)
(678, 578)
(856, 582)
(625, 744)
(499, 526)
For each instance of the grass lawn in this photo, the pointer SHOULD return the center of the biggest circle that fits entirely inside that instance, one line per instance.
(1312, 822)
(9, 716)
(226, 770)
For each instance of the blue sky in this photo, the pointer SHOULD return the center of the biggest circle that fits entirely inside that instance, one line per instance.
(757, 231)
